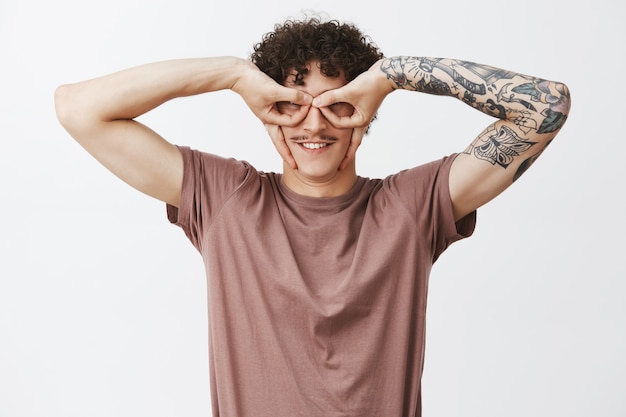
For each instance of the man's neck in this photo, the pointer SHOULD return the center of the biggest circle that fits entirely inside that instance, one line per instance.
(336, 186)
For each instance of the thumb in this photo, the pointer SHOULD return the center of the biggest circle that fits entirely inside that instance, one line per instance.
(355, 142)
(278, 139)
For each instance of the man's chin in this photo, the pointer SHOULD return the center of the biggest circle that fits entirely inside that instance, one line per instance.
(316, 173)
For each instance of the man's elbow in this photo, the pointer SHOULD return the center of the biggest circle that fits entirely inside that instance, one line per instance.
(558, 102)
(566, 98)
(63, 106)
(71, 113)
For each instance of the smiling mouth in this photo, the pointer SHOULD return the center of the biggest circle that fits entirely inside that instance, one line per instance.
(310, 145)
(320, 143)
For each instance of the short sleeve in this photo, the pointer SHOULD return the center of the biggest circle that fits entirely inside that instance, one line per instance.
(208, 182)
(425, 191)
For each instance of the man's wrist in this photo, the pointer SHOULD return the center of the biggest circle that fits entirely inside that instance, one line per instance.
(388, 69)
(239, 69)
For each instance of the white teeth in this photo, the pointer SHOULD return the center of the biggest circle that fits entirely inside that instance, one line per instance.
(314, 145)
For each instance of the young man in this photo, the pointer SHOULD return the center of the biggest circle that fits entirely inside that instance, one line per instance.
(317, 278)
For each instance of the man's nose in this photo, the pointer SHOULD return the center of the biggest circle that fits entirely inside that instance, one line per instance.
(315, 120)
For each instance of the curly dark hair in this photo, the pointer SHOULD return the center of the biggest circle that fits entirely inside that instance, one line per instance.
(339, 47)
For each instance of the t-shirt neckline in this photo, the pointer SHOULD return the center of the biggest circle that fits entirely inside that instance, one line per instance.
(320, 201)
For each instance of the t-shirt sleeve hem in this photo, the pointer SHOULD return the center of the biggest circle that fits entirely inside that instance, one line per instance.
(177, 215)
(464, 227)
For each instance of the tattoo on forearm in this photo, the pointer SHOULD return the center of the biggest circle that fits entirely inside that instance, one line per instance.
(433, 86)
(550, 93)
(471, 86)
(402, 71)
(533, 105)
(480, 87)
(499, 146)
(398, 70)
(506, 97)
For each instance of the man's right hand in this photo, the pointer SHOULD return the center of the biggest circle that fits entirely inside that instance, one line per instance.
(100, 114)
(261, 93)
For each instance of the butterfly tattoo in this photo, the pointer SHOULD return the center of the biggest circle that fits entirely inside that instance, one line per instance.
(501, 147)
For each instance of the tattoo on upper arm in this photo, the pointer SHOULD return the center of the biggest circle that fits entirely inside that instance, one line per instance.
(524, 166)
(528, 162)
(499, 146)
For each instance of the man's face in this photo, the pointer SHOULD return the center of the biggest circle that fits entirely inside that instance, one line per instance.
(316, 145)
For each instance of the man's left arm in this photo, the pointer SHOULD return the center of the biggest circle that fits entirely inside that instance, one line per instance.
(530, 111)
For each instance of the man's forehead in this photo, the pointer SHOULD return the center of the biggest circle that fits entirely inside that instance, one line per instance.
(313, 79)
(295, 77)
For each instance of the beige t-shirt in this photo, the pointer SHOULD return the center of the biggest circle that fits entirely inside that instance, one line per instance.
(316, 305)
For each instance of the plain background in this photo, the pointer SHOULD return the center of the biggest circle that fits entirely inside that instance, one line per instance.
(102, 301)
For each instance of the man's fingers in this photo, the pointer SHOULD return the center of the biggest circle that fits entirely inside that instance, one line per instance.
(332, 117)
(344, 122)
(274, 117)
(325, 99)
(324, 102)
(355, 142)
(299, 97)
(299, 115)
(278, 139)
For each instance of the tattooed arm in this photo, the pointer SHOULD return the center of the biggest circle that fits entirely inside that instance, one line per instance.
(529, 111)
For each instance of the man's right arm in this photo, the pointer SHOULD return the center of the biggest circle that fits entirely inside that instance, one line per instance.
(100, 113)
